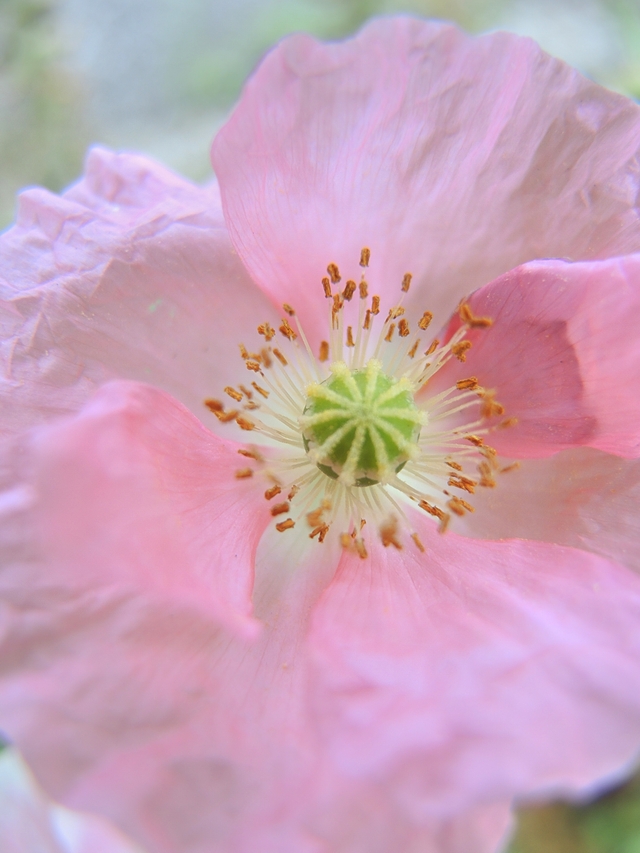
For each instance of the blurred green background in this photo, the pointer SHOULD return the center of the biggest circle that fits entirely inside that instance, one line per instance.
(160, 76)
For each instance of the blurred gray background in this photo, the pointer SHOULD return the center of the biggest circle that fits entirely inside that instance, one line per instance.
(160, 75)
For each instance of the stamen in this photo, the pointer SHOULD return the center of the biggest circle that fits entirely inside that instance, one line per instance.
(244, 473)
(334, 273)
(358, 443)
(467, 316)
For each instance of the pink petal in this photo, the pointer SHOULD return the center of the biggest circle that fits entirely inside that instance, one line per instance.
(129, 274)
(562, 355)
(582, 497)
(127, 552)
(479, 669)
(453, 157)
(31, 823)
(134, 501)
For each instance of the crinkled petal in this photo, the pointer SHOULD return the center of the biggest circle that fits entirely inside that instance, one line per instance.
(479, 668)
(129, 274)
(452, 157)
(31, 823)
(562, 355)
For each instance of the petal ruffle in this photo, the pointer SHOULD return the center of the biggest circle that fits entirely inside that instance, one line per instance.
(562, 356)
(130, 274)
(479, 669)
(453, 157)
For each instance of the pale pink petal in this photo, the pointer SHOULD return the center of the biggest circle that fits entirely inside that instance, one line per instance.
(31, 823)
(455, 158)
(129, 274)
(125, 532)
(562, 355)
(133, 500)
(479, 669)
(582, 497)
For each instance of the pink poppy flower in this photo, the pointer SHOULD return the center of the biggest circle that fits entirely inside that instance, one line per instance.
(180, 652)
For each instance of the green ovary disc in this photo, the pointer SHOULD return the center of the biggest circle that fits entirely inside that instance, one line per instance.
(360, 426)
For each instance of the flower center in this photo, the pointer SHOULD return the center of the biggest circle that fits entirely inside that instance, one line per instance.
(360, 437)
(361, 426)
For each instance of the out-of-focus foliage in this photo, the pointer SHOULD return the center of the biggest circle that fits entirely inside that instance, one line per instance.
(43, 130)
(610, 824)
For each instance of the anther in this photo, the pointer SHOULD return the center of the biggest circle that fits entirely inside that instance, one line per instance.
(293, 492)
(389, 334)
(285, 525)
(326, 285)
(244, 423)
(267, 330)
(280, 509)
(486, 475)
(350, 341)
(425, 320)
(364, 289)
(286, 330)
(513, 467)
(406, 282)
(214, 406)
(418, 542)
(458, 481)
(490, 406)
(253, 366)
(455, 465)
(389, 534)
(469, 319)
(324, 351)
(375, 305)
(283, 361)
(414, 349)
(365, 257)
(251, 453)
(470, 384)
(334, 273)
(227, 417)
(361, 549)
(367, 320)
(394, 313)
(288, 309)
(272, 492)
(459, 506)
(403, 328)
(235, 395)
(460, 350)
(320, 531)
(262, 391)
(246, 391)
(266, 358)
(435, 343)
(349, 290)
(508, 423)
(244, 473)
(476, 440)
(442, 516)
